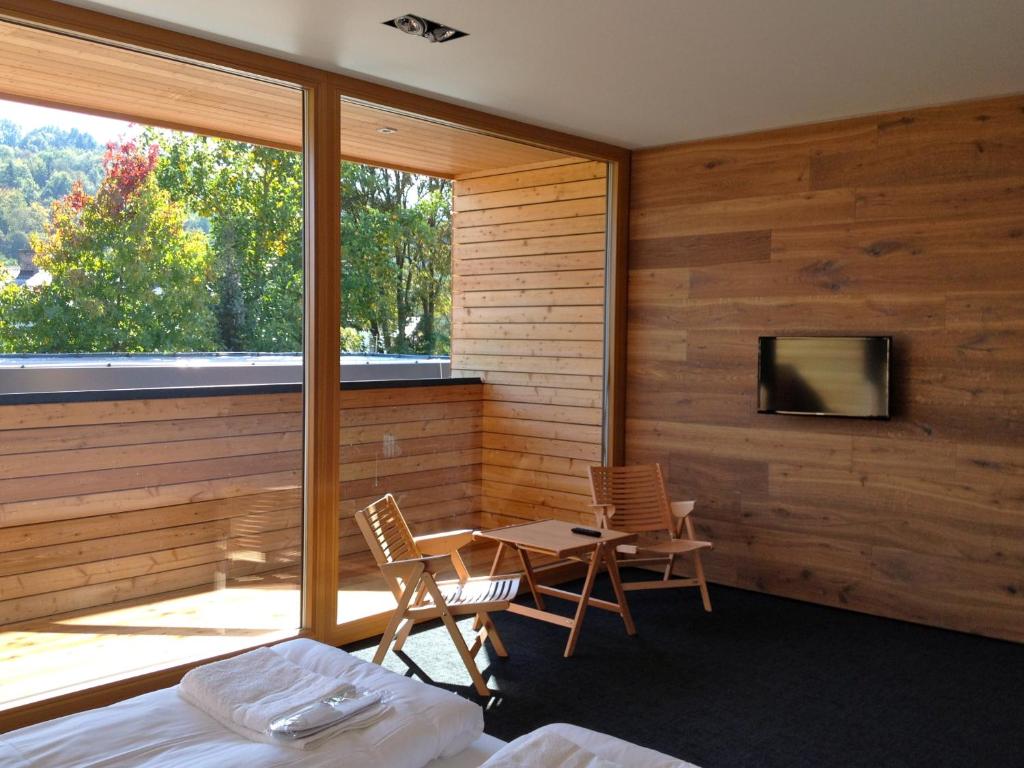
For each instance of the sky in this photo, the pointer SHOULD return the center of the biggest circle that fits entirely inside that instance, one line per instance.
(29, 117)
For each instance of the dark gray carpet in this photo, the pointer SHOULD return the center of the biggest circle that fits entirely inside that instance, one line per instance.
(761, 682)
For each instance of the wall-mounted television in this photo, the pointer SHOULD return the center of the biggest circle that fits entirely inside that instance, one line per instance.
(824, 375)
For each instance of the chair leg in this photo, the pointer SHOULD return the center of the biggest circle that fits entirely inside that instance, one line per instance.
(668, 567)
(698, 570)
(385, 639)
(396, 618)
(492, 635)
(403, 633)
(460, 644)
(494, 570)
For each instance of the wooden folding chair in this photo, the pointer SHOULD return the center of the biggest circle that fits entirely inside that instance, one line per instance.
(634, 499)
(411, 564)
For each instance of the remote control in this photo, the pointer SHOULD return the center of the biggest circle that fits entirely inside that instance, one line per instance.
(587, 532)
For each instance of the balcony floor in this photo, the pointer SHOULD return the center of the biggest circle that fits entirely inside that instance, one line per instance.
(46, 657)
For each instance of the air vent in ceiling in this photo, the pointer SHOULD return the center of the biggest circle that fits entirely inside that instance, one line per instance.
(425, 28)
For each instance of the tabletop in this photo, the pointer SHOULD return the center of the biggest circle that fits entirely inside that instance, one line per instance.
(553, 537)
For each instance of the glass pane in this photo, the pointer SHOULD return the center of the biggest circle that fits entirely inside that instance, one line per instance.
(417, 441)
(151, 338)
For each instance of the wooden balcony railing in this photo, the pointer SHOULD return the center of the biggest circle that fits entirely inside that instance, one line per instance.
(158, 504)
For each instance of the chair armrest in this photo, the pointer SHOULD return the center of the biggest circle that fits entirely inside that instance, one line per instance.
(430, 564)
(602, 514)
(443, 543)
(681, 509)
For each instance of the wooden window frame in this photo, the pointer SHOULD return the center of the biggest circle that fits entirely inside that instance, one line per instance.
(323, 93)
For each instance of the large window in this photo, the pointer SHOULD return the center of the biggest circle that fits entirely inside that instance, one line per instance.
(145, 240)
(120, 240)
(148, 526)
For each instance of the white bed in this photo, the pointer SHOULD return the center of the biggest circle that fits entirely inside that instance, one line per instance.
(161, 730)
(431, 728)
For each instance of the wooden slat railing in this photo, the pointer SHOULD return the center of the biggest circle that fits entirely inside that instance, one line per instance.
(120, 500)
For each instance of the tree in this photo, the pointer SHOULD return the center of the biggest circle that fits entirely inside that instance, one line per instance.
(10, 133)
(245, 203)
(59, 184)
(396, 258)
(18, 220)
(252, 197)
(126, 275)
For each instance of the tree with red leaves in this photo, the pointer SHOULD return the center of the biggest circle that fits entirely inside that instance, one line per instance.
(126, 275)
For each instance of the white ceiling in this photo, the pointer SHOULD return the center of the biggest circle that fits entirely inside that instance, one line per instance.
(640, 72)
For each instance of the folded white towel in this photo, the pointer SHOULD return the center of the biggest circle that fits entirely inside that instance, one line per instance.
(363, 719)
(254, 689)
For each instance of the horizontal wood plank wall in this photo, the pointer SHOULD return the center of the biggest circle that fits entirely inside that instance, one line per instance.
(528, 317)
(420, 444)
(910, 224)
(112, 501)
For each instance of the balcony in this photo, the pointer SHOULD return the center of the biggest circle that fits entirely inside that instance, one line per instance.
(165, 529)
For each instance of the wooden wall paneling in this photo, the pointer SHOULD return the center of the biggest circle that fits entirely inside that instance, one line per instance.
(529, 273)
(99, 523)
(423, 446)
(920, 236)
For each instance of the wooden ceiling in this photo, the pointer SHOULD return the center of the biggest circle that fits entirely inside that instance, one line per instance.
(56, 70)
(426, 146)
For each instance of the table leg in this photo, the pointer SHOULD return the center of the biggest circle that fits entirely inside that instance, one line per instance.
(620, 593)
(530, 579)
(588, 585)
(477, 624)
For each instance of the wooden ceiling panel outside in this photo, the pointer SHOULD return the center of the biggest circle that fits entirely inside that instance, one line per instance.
(62, 71)
(427, 145)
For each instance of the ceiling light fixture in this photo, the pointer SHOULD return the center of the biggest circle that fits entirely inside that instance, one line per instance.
(386, 129)
(411, 25)
(429, 30)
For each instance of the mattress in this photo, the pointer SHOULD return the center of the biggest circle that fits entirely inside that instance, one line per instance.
(160, 730)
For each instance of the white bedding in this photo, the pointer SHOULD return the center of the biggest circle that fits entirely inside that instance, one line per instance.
(160, 730)
(605, 747)
(472, 756)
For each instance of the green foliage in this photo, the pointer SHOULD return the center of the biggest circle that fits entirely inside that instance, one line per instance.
(396, 258)
(252, 197)
(203, 250)
(126, 275)
(18, 219)
(37, 169)
(351, 340)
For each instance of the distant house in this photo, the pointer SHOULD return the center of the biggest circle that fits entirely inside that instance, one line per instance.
(28, 273)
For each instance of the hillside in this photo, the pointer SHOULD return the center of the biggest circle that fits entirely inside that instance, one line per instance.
(37, 168)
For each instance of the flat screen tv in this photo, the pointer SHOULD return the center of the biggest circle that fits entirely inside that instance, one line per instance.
(824, 375)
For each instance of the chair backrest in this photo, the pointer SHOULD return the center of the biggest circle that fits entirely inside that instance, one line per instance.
(386, 532)
(636, 495)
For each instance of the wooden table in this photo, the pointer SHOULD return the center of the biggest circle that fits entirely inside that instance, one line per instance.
(555, 538)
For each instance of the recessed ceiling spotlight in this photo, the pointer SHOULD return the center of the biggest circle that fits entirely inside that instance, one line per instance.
(411, 25)
(425, 28)
(387, 129)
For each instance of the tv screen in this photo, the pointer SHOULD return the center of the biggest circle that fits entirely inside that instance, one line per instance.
(824, 375)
